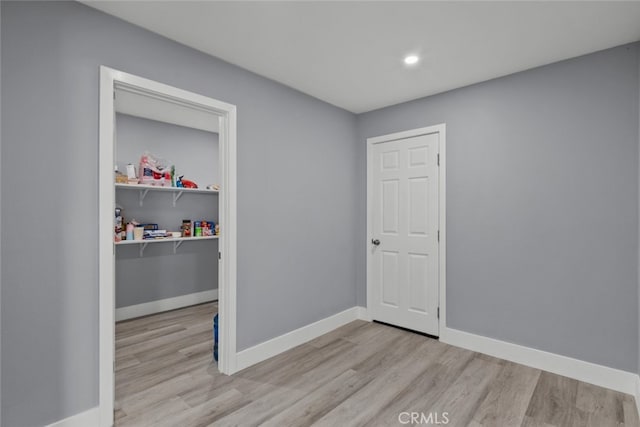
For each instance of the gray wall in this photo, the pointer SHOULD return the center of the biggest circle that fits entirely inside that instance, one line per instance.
(296, 186)
(542, 205)
(193, 152)
(160, 273)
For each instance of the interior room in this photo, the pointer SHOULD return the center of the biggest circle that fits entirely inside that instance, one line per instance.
(319, 213)
(166, 289)
(193, 270)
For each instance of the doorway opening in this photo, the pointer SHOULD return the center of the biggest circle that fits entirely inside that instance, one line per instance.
(133, 103)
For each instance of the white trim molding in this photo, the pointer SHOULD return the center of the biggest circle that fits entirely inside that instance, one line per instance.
(158, 306)
(603, 376)
(225, 116)
(89, 418)
(441, 130)
(275, 346)
(363, 314)
(106, 266)
(637, 394)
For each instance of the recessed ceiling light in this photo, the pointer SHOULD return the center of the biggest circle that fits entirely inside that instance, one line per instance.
(411, 59)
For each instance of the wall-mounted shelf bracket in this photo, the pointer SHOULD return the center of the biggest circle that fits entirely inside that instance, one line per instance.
(176, 196)
(142, 247)
(176, 245)
(143, 194)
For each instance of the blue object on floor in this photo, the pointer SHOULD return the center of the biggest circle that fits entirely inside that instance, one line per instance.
(215, 337)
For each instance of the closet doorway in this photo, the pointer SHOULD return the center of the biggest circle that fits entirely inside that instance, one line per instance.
(134, 103)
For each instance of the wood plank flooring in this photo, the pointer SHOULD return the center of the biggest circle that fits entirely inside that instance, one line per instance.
(363, 374)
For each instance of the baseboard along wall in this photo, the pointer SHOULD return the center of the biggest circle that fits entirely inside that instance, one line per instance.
(147, 308)
(275, 346)
(588, 372)
(603, 376)
(89, 418)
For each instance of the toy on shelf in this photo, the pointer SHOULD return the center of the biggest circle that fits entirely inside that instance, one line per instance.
(185, 183)
(155, 171)
(186, 228)
(119, 226)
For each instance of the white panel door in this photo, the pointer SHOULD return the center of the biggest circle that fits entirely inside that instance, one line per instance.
(404, 224)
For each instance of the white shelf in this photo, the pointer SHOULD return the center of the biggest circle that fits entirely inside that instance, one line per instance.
(176, 191)
(177, 241)
(166, 188)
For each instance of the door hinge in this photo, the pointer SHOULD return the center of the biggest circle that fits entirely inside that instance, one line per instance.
(438, 159)
(114, 94)
(438, 312)
(219, 255)
(438, 235)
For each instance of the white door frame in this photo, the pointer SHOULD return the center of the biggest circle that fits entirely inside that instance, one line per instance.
(442, 217)
(109, 79)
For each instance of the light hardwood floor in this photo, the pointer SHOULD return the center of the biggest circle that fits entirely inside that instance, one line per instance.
(361, 374)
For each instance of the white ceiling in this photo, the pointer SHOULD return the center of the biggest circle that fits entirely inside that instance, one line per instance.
(350, 53)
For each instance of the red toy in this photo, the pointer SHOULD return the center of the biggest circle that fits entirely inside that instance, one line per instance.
(185, 183)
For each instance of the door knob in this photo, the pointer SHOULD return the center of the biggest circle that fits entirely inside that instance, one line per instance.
(375, 242)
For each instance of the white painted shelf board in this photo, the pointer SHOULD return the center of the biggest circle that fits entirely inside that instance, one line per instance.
(167, 239)
(158, 188)
(177, 241)
(176, 192)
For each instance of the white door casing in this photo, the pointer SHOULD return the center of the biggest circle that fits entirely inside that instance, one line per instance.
(403, 282)
(225, 114)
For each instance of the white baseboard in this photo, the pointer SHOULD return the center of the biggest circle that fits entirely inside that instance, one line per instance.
(158, 306)
(637, 394)
(603, 376)
(275, 346)
(363, 314)
(90, 418)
